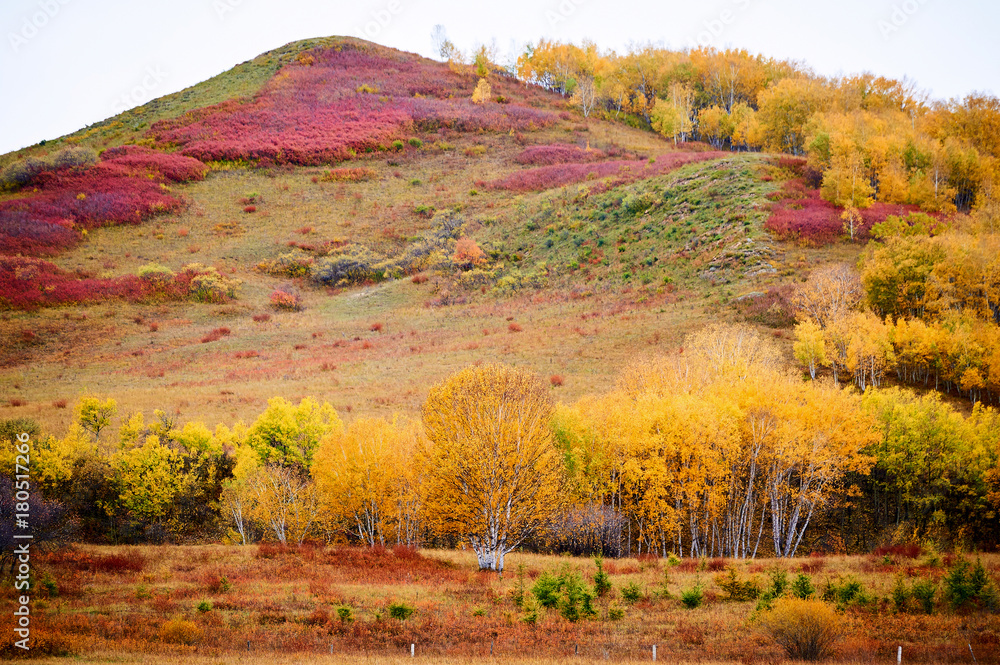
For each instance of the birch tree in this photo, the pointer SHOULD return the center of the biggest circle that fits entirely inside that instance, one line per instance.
(492, 475)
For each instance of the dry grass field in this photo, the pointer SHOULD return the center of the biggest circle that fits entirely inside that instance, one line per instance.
(216, 603)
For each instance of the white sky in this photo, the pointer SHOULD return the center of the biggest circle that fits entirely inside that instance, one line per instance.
(67, 63)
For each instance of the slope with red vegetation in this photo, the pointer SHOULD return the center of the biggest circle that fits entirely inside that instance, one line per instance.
(124, 188)
(27, 283)
(802, 215)
(557, 175)
(331, 104)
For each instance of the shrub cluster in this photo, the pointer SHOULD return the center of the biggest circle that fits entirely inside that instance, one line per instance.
(121, 190)
(349, 100)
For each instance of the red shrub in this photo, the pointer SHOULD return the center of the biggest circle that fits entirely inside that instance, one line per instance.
(419, 279)
(246, 354)
(142, 161)
(349, 100)
(717, 564)
(60, 403)
(376, 327)
(67, 201)
(18, 402)
(260, 318)
(514, 328)
(556, 380)
(802, 214)
(250, 209)
(31, 283)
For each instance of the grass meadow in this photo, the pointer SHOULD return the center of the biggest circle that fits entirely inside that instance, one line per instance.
(261, 603)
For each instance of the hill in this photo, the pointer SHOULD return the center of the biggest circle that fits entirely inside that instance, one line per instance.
(265, 214)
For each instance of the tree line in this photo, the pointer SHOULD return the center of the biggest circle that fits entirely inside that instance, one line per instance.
(868, 138)
(718, 449)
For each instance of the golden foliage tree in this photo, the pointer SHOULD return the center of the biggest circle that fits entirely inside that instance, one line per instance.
(491, 473)
(366, 480)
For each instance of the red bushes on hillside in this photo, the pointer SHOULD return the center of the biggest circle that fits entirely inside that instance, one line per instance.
(176, 168)
(801, 214)
(557, 175)
(123, 189)
(28, 283)
(335, 105)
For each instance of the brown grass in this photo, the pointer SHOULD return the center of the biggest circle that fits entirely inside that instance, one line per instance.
(283, 600)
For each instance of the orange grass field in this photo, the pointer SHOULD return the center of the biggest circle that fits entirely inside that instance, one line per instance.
(267, 604)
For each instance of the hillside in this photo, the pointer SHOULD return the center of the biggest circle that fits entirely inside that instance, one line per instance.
(590, 278)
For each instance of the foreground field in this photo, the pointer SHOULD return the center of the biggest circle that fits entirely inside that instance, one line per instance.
(263, 603)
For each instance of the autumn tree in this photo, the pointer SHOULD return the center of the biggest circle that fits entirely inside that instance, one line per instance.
(366, 481)
(491, 472)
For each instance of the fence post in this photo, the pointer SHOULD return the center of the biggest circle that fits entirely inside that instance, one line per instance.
(413, 649)
(654, 652)
(899, 655)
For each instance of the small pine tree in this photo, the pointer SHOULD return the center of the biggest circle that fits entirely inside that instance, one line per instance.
(802, 587)
(602, 581)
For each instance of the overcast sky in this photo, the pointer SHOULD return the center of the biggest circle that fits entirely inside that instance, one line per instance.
(67, 63)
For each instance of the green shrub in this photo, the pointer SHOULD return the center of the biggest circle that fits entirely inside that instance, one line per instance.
(900, 595)
(673, 560)
(803, 587)
(631, 593)
(546, 589)
(517, 593)
(693, 597)
(416, 143)
(345, 614)
(923, 591)
(401, 611)
(602, 581)
(736, 588)
(846, 591)
(50, 586)
(615, 613)
(398, 145)
(530, 611)
(805, 629)
(779, 582)
(205, 606)
(575, 600)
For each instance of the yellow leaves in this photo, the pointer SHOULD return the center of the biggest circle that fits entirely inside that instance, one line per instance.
(491, 471)
(94, 415)
(147, 478)
(810, 347)
(364, 474)
(287, 434)
(483, 93)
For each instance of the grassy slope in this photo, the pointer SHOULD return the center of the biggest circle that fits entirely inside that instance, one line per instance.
(584, 326)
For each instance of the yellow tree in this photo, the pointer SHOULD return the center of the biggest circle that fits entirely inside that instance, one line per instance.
(491, 472)
(810, 347)
(362, 480)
